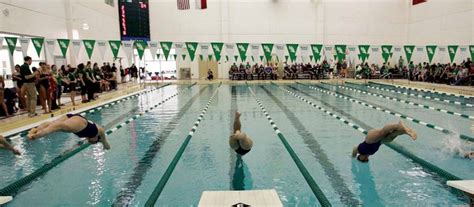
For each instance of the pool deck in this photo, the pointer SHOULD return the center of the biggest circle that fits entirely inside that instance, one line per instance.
(21, 121)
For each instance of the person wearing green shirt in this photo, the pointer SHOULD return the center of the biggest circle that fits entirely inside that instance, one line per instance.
(29, 78)
(401, 62)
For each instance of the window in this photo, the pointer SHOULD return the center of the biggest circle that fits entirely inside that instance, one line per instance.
(110, 3)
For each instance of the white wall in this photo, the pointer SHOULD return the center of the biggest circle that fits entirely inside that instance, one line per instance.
(441, 22)
(62, 19)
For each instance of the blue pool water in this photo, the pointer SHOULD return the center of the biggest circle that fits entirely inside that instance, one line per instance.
(143, 149)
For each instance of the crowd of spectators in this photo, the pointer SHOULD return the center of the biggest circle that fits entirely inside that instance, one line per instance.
(453, 74)
(46, 85)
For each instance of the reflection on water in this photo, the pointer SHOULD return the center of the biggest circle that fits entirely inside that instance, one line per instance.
(365, 180)
(242, 179)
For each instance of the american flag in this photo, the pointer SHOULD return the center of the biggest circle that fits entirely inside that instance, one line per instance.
(183, 5)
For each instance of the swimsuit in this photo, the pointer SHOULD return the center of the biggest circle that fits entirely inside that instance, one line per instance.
(89, 131)
(241, 151)
(368, 149)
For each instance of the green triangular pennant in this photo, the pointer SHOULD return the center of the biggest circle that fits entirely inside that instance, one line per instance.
(471, 49)
(11, 42)
(253, 59)
(209, 57)
(242, 48)
(175, 56)
(115, 47)
(192, 47)
(236, 58)
(201, 57)
(89, 45)
(409, 49)
(63, 45)
(227, 58)
(267, 50)
(286, 58)
(340, 52)
(183, 56)
(158, 56)
(38, 44)
(292, 49)
(386, 52)
(166, 47)
(316, 52)
(430, 51)
(141, 46)
(217, 48)
(311, 58)
(452, 49)
(364, 52)
(261, 58)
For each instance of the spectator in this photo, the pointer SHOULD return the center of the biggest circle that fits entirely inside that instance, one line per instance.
(2, 96)
(29, 78)
(42, 86)
(18, 83)
(210, 75)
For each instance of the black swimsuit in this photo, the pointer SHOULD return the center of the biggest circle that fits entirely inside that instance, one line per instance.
(241, 151)
(89, 131)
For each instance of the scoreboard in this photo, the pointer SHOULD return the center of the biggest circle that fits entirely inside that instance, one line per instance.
(134, 19)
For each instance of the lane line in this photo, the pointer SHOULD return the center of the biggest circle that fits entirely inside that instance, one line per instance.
(18, 184)
(309, 179)
(425, 90)
(169, 170)
(396, 147)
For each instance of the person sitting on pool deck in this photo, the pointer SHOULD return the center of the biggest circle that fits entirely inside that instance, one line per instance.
(4, 144)
(239, 141)
(376, 137)
(72, 123)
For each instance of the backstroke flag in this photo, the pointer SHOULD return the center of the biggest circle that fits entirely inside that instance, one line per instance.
(89, 45)
(230, 50)
(430, 50)
(364, 52)
(24, 43)
(115, 47)
(192, 47)
(102, 46)
(242, 48)
(63, 45)
(316, 52)
(292, 49)
(37, 43)
(217, 48)
(267, 50)
(11, 42)
(409, 49)
(75, 48)
(153, 45)
(452, 50)
(166, 47)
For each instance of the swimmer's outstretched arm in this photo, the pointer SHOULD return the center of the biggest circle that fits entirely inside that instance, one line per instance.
(4, 143)
(354, 152)
(237, 124)
(103, 138)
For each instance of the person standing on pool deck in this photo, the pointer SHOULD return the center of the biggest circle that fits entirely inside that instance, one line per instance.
(376, 137)
(239, 141)
(75, 124)
(4, 144)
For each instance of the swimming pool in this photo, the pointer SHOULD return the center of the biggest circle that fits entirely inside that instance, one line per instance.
(143, 148)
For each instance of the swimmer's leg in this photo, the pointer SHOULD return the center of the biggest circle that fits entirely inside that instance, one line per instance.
(237, 124)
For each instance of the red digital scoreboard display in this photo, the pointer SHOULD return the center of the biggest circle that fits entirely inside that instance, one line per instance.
(134, 19)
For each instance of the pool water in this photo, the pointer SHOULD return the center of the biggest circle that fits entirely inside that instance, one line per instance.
(143, 149)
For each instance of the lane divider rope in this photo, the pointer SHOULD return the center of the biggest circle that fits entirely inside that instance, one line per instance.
(164, 179)
(421, 96)
(432, 126)
(97, 108)
(309, 179)
(398, 148)
(426, 90)
(406, 102)
(15, 186)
